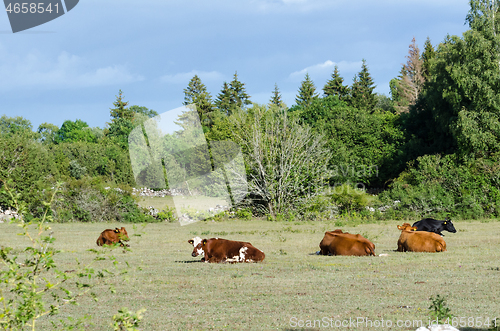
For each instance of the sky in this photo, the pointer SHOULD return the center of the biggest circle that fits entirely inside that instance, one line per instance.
(74, 66)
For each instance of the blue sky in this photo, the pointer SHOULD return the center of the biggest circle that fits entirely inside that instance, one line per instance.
(72, 67)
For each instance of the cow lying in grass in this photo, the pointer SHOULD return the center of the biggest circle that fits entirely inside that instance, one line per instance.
(412, 240)
(436, 226)
(216, 250)
(340, 243)
(110, 237)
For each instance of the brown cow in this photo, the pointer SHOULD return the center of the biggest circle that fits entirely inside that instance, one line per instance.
(340, 243)
(412, 240)
(109, 237)
(216, 250)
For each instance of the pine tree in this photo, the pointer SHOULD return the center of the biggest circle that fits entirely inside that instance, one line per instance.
(335, 85)
(224, 101)
(276, 97)
(240, 96)
(121, 110)
(196, 93)
(428, 54)
(362, 96)
(307, 92)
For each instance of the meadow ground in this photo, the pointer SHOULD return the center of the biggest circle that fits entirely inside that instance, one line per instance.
(293, 286)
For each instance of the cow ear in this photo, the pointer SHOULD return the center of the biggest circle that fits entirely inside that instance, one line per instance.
(191, 241)
(117, 231)
(400, 227)
(204, 241)
(444, 222)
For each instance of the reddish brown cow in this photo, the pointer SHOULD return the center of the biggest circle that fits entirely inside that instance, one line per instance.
(340, 243)
(109, 237)
(216, 250)
(412, 240)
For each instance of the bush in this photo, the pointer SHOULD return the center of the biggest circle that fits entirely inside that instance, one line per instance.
(89, 200)
(441, 185)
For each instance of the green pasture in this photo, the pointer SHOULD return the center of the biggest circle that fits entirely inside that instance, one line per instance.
(291, 285)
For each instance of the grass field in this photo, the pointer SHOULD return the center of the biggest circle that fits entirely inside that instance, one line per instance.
(292, 284)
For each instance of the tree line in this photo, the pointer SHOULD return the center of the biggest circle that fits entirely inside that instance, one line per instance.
(430, 148)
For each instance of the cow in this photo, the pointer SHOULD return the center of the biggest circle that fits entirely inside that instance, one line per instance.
(436, 226)
(217, 250)
(412, 240)
(340, 243)
(109, 237)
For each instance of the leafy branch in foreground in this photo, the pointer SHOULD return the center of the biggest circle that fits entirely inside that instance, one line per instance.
(31, 283)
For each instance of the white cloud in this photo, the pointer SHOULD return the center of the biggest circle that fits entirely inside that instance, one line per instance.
(185, 77)
(67, 71)
(326, 68)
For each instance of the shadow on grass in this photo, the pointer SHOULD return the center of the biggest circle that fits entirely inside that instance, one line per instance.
(190, 261)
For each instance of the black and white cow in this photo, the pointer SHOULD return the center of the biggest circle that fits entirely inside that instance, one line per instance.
(436, 226)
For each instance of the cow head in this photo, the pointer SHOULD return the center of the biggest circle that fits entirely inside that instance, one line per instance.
(448, 226)
(198, 244)
(407, 227)
(122, 234)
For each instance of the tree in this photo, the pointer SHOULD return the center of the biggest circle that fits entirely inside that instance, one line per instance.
(307, 92)
(225, 101)
(121, 110)
(48, 133)
(412, 79)
(240, 95)
(16, 126)
(286, 161)
(196, 93)
(276, 97)
(335, 86)
(427, 56)
(122, 122)
(362, 96)
(150, 113)
(75, 131)
(464, 92)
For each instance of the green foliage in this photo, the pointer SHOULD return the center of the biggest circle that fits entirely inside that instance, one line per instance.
(127, 320)
(75, 131)
(89, 200)
(276, 98)
(232, 96)
(167, 214)
(307, 92)
(28, 165)
(335, 86)
(362, 96)
(363, 145)
(286, 161)
(438, 309)
(442, 185)
(48, 133)
(244, 213)
(33, 286)
(18, 126)
(350, 199)
(196, 93)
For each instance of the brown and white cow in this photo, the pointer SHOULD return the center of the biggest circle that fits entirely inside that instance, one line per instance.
(217, 250)
(109, 237)
(339, 243)
(412, 240)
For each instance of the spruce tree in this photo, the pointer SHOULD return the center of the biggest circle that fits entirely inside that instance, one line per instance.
(362, 96)
(224, 101)
(121, 110)
(428, 54)
(307, 92)
(196, 93)
(276, 97)
(240, 96)
(335, 85)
